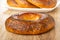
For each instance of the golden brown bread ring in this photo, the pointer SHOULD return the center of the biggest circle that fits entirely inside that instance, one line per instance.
(43, 3)
(25, 4)
(12, 3)
(29, 23)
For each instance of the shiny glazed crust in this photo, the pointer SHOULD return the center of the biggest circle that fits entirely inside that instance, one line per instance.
(32, 3)
(25, 4)
(44, 3)
(29, 23)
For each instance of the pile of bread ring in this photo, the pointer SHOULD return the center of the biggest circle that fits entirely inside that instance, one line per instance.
(30, 22)
(32, 3)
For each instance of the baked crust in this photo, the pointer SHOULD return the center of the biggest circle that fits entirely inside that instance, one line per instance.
(29, 23)
(25, 4)
(32, 3)
(44, 3)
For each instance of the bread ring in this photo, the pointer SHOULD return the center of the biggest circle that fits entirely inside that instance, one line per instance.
(44, 3)
(25, 4)
(29, 23)
(12, 3)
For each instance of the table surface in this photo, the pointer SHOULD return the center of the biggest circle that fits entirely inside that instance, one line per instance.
(53, 34)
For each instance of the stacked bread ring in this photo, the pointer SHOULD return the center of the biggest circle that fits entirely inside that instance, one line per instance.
(32, 3)
(29, 23)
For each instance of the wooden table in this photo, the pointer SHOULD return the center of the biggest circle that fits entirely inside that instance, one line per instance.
(53, 34)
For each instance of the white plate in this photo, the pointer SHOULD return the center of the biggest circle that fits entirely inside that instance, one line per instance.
(33, 9)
